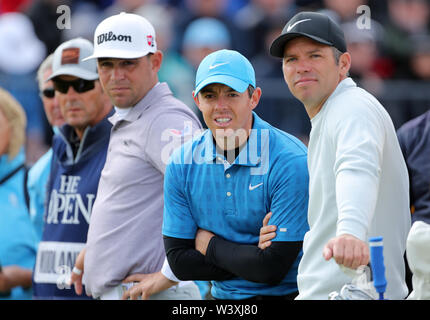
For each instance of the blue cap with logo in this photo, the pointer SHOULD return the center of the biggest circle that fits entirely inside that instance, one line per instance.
(227, 67)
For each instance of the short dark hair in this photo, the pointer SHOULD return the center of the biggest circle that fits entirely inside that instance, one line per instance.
(336, 53)
(251, 90)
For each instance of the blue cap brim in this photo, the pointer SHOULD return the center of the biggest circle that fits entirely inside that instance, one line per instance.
(234, 83)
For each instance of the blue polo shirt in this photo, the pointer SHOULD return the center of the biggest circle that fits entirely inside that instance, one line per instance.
(202, 190)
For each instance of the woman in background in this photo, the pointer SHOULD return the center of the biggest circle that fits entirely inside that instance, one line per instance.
(17, 234)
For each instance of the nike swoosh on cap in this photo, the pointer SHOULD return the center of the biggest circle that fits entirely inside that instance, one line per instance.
(296, 23)
(217, 65)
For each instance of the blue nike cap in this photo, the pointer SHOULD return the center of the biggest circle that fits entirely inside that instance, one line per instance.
(227, 67)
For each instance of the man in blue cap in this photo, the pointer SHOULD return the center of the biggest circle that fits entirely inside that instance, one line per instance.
(220, 186)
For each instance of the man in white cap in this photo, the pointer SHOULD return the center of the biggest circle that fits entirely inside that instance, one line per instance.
(124, 238)
(79, 153)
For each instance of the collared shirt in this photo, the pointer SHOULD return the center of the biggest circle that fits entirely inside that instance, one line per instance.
(203, 190)
(124, 236)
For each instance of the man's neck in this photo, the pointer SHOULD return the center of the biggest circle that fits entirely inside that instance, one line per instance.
(230, 153)
(312, 109)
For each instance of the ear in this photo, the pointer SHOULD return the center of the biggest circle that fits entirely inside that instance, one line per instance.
(255, 98)
(196, 99)
(344, 63)
(157, 59)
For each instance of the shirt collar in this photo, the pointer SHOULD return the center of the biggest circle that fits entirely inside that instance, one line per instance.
(250, 155)
(153, 95)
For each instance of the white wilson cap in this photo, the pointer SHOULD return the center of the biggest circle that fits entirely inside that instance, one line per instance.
(124, 36)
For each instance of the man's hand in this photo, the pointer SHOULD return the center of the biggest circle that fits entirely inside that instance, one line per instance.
(148, 285)
(202, 240)
(14, 276)
(76, 276)
(267, 233)
(347, 250)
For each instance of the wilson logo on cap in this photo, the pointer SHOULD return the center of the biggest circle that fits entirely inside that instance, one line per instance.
(110, 36)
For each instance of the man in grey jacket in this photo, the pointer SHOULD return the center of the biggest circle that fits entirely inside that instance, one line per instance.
(125, 240)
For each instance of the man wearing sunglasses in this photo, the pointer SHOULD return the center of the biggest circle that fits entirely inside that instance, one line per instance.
(124, 238)
(39, 172)
(79, 153)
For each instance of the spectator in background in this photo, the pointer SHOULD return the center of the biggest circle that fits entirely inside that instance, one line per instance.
(366, 68)
(287, 115)
(13, 5)
(420, 58)
(255, 21)
(17, 235)
(129, 6)
(175, 70)
(39, 172)
(414, 138)
(79, 154)
(195, 9)
(84, 19)
(342, 11)
(406, 18)
(202, 37)
(21, 50)
(44, 16)
(265, 65)
(20, 55)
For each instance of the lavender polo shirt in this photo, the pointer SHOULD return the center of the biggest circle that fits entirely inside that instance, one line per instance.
(125, 236)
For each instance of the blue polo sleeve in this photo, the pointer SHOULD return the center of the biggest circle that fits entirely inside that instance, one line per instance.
(177, 218)
(289, 193)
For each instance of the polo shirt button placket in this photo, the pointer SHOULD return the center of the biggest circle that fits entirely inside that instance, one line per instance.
(229, 200)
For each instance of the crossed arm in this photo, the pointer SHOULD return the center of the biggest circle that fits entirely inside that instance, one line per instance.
(209, 257)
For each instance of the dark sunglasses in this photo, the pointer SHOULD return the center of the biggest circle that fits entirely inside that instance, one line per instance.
(79, 85)
(49, 93)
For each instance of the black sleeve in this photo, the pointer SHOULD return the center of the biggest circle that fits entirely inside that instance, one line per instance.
(250, 262)
(189, 264)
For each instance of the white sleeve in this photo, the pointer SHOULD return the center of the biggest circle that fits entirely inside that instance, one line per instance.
(359, 138)
(356, 195)
(167, 272)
